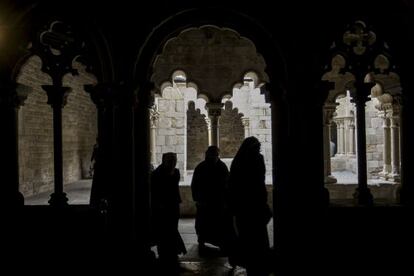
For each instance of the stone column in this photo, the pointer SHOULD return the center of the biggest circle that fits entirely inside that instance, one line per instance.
(57, 96)
(154, 115)
(351, 138)
(387, 147)
(395, 145)
(328, 111)
(208, 122)
(104, 97)
(359, 96)
(12, 96)
(340, 130)
(214, 112)
(246, 124)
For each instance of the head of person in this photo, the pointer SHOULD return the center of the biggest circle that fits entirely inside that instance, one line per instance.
(212, 154)
(250, 145)
(169, 160)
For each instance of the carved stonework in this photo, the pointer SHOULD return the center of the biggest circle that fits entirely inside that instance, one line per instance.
(245, 122)
(213, 58)
(57, 45)
(328, 113)
(214, 109)
(154, 116)
(359, 37)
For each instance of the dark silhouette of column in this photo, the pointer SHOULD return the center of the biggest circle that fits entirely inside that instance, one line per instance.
(406, 191)
(12, 96)
(57, 96)
(214, 112)
(329, 110)
(359, 96)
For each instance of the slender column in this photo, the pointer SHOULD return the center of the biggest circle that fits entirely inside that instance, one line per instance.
(12, 96)
(57, 96)
(328, 114)
(208, 122)
(154, 115)
(395, 146)
(246, 124)
(359, 96)
(352, 138)
(340, 137)
(346, 135)
(387, 147)
(214, 112)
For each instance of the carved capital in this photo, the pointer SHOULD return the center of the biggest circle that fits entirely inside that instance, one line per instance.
(57, 95)
(245, 121)
(154, 116)
(214, 109)
(360, 92)
(328, 113)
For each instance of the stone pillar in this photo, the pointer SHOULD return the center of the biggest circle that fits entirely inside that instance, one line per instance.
(340, 130)
(246, 124)
(208, 122)
(104, 97)
(359, 96)
(346, 135)
(154, 115)
(387, 147)
(12, 96)
(352, 138)
(214, 112)
(395, 145)
(328, 111)
(57, 96)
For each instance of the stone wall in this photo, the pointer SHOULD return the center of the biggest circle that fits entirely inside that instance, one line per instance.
(197, 136)
(36, 130)
(172, 124)
(231, 131)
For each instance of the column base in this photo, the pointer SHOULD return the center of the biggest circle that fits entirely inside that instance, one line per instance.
(394, 177)
(329, 179)
(58, 199)
(363, 197)
(384, 175)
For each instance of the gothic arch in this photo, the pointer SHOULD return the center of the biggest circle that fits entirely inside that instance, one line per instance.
(195, 18)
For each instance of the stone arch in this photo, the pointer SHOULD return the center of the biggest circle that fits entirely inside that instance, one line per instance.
(174, 25)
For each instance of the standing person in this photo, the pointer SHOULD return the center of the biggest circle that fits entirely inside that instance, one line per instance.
(248, 200)
(213, 222)
(165, 202)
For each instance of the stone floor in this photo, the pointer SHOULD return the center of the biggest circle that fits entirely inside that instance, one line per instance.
(193, 265)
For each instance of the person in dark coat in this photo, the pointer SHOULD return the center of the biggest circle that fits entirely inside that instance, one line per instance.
(165, 203)
(213, 222)
(248, 202)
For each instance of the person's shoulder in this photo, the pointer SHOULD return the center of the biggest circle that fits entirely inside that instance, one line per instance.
(222, 164)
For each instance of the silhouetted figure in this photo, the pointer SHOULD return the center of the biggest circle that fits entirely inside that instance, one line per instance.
(165, 203)
(98, 190)
(213, 222)
(248, 200)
